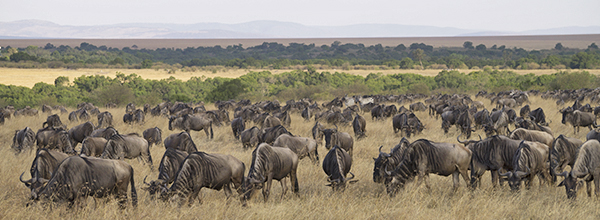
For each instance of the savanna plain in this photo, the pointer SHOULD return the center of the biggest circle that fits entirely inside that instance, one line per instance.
(362, 200)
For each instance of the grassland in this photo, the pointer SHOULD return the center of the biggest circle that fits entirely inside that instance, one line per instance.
(29, 77)
(362, 200)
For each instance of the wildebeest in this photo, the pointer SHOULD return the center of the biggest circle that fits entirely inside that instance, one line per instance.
(481, 118)
(93, 146)
(417, 107)
(153, 136)
(586, 164)
(105, 119)
(359, 125)
(538, 116)
(530, 160)
(306, 114)
(181, 141)
(342, 139)
(578, 118)
(127, 146)
(531, 125)
(80, 132)
(317, 132)
(270, 134)
(191, 122)
(201, 170)
(388, 160)
(237, 126)
(23, 140)
(531, 135)
(54, 138)
(423, 157)
(493, 153)
(300, 145)
(79, 177)
(271, 121)
(400, 124)
(136, 116)
(285, 118)
(250, 137)
(167, 170)
(563, 152)
(448, 119)
(377, 113)
(53, 121)
(499, 124)
(463, 122)
(524, 112)
(270, 163)
(337, 164)
(106, 133)
(44, 164)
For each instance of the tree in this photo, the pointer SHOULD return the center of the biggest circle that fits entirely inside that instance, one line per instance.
(49, 46)
(480, 47)
(593, 46)
(401, 47)
(406, 63)
(468, 45)
(558, 46)
(16, 57)
(61, 81)
(418, 54)
(147, 64)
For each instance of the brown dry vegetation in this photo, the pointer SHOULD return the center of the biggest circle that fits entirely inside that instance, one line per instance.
(29, 77)
(362, 200)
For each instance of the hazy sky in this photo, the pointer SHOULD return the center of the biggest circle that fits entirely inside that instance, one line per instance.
(498, 15)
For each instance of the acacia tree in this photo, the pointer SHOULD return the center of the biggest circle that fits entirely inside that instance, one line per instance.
(419, 54)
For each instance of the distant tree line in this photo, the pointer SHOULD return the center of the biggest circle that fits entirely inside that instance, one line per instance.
(272, 55)
(264, 85)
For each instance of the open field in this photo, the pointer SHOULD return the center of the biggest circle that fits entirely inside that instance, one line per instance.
(526, 42)
(29, 77)
(362, 200)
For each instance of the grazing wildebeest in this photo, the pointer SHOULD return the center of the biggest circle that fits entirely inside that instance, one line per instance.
(80, 132)
(306, 114)
(79, 177)
(127, 146)
(54, 138)
(388, 160)
(285, 118)
(578, 118)
(250, 137)
(481, 118)
(531, 125)
(93, 146)
(529, 160)
(106, 133)
(153, 136)
(423, 157)
(538, 116)
(238, 125)
(54, 121)
(44, 164)
(105, 119)
(317, 132)
(400, 124)
(167, 170)
(342, 139)
(270, 134)
(300, 145)
(587, 165)
(417, 107)
(191, 122)
(563, 152)
(359, 125)
(499, 123)
(181, 141)
(201, 170)
(337, 164)
(463, 122)
(271, 121)
(270, 163)
(23, 139)
(449, 118)
(531, 135)
(377, 112)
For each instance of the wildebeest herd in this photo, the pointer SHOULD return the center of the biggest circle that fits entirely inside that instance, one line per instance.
(516, 148)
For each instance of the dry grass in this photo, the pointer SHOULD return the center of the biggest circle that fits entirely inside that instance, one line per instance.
(363, 200)
(29, 77)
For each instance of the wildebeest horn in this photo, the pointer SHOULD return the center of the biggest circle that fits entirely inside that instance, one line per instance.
(26, 182)
(479, 137)
(145, 180)
(386, 170)
(564, 173)
(520, 174)
(350, 177)
(508, 174)
(336, 128)
(380, 149)
(457, 139)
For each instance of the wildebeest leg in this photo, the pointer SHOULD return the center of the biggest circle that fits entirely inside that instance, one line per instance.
(495, 178)
(267, 188)
(194, 195)
(596, 184)
(465, 175)
(284, 189)
(228, 193)
(455, 179)
(294, 181)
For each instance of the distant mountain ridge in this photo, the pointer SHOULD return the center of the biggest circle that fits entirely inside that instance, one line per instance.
(25, 29)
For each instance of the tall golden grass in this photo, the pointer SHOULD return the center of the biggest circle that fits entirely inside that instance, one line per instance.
(362, 200)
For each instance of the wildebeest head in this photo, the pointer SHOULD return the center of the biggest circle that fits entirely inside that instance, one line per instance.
(171, 120)
(380, 162)
(34, 184)
(514, 178)
(155, 186)
(571, 184)
(329, 133)
(114, 148)
(567, 115)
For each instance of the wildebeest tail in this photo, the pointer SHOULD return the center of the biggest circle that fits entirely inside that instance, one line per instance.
(133, 192)
(211, 131)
